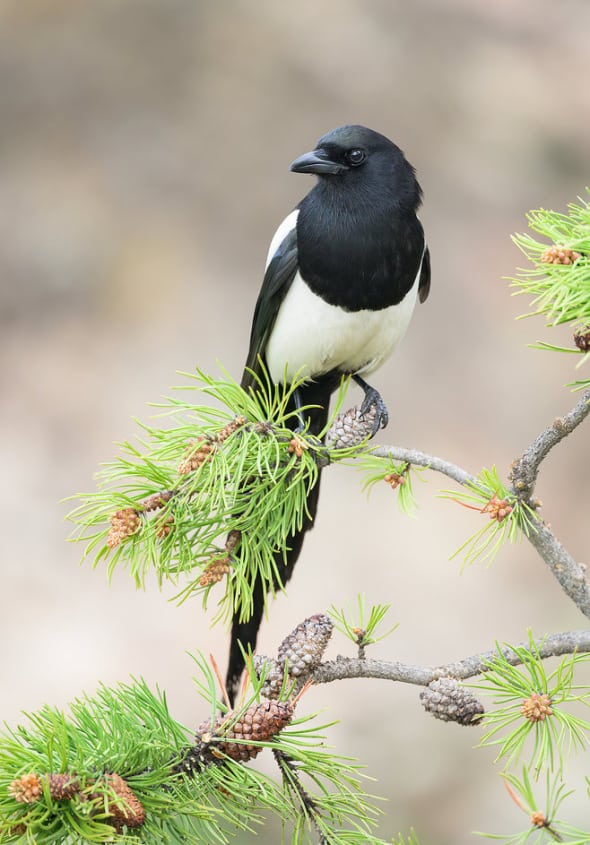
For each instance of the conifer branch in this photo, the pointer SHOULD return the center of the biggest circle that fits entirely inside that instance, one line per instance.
(554, 645)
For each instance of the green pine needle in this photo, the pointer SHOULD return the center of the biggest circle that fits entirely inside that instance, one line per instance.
(399, 476)
(178, 491)
(508, 518)
(543, 825)
(560, 292)
(360, 627)
(554, 735)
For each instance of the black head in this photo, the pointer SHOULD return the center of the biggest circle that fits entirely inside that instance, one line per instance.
(356, 156)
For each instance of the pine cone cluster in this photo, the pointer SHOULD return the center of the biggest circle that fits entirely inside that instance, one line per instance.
(125, 809)
(559, 255)
(446, 699)
(351, 427)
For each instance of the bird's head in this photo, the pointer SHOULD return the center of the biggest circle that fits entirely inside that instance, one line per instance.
(361, 156)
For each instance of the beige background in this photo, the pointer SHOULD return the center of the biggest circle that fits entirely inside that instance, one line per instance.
(144, 152)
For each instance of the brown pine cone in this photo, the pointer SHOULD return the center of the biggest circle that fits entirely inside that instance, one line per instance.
(446, 699)
(582, 339)
(127, 810)
(351, 427)
(63, 786)
(260, 722)
(274, 674)
(304, 648)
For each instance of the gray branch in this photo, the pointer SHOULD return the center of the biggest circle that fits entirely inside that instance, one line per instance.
(526, 469)
(570, 574)
(421, 459)
(351, 667)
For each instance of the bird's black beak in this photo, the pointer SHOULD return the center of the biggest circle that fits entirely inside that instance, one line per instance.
(317, 161)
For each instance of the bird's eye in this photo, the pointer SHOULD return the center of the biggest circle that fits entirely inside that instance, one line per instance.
(355, 157)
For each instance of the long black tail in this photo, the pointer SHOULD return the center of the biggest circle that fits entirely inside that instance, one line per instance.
(315, 393)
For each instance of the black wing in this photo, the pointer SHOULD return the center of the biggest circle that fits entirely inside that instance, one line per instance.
(277, 281)
(424, 283)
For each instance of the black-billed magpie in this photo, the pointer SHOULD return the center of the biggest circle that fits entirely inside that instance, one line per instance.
(343, 273)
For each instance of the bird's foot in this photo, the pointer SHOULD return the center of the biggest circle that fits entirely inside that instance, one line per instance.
(374, 404)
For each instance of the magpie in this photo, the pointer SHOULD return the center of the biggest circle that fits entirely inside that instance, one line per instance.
(343, 273)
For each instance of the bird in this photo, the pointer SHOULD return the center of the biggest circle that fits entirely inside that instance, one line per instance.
(343, 273)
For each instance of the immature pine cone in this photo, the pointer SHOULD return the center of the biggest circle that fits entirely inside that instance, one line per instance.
(26, 789)
(445, 699)
(260, 722)
(536, 707)
(124, 523)
(304, 648)
(559, 255)
(197, 452)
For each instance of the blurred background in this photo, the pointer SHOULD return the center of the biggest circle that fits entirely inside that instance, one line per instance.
(144, 153)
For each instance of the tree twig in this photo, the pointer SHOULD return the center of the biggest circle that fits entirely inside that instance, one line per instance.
(570, 574)
(422, 459)
(525, 470)
(553, 645)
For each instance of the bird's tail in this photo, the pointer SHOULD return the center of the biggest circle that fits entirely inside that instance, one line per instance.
(246, 632)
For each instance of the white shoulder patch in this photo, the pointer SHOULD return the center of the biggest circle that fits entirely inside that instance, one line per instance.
(281, 233)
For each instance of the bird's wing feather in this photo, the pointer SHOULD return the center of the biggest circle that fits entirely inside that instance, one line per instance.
(278, 278)
(424, 283)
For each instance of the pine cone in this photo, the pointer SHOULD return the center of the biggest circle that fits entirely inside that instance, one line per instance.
(124, 523)
(446, 699)
(229, 429)
(198, 452)
(260, 722)
(304, 648)
(536, 707)
(27, 789)
(351, 427)
(63, 786)
(127, 809)
(559, 255)
(582, 339)
(274, 674)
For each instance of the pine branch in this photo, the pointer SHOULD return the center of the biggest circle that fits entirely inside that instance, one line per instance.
(525, 470)
(554, 645)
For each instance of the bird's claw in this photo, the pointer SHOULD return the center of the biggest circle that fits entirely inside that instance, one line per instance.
(373, 400)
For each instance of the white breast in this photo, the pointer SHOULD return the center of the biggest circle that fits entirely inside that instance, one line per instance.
(315, 337)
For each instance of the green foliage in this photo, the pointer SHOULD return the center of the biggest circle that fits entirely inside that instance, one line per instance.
(508, 518)
(543, 822)
(233, 467)
(399, 475)
(129, 730)
(362, 628)
(412, 839)
(550, 728)
(561, 292)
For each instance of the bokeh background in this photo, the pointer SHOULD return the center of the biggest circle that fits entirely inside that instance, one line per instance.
(144, 152)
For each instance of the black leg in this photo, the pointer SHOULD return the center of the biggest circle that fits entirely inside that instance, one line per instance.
(373, 399)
